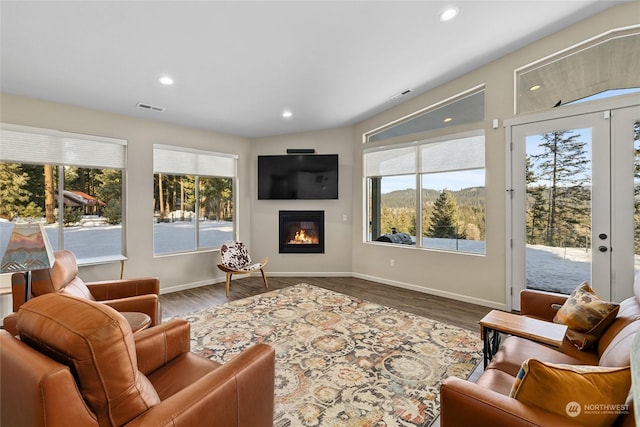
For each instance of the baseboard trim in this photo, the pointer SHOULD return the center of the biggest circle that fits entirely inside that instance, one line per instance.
(431, 291)
(185, 286)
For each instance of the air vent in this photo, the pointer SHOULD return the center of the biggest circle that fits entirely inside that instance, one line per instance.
(401, 94)
(150, 107)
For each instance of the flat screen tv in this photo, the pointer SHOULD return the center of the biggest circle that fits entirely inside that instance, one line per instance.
(298, 177)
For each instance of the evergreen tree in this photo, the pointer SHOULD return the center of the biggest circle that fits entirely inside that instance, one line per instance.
(13, 193)
(537, 214)
(110, 192)
(536, 205)
(444, 220)
(563, 163)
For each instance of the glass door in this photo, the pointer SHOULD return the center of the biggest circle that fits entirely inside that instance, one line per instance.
(575, 204)
(561, 205)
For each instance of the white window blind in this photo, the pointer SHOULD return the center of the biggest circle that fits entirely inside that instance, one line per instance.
(23, 144)
(396, 161)
(452, 155)
(184, 161)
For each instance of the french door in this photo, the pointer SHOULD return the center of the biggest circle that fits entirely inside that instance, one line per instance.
(573, 214)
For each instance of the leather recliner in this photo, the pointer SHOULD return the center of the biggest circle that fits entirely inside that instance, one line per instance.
(77, 363)
(136, 295)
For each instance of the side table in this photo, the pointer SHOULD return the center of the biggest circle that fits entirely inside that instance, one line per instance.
(138, 321)
(496, 322)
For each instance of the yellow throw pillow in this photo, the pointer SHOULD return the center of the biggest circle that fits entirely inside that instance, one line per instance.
(593, 396)
(586, 315)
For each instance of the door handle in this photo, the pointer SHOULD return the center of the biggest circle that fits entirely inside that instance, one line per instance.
(603, 248)
(602, 236)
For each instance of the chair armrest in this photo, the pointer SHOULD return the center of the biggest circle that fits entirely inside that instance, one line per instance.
(114, 289)
(148, 304)
(10, 324)
(239, 393)
(540, 304)
(158, 345)
(35, 388)
(463, 403)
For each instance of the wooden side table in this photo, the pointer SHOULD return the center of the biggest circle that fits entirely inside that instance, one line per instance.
(496, 322)
(138, 321)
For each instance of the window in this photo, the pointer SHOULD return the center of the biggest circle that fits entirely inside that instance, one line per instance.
(73, 183)
(461, 109)
(451, 202)
(193, 199)
(597, 66)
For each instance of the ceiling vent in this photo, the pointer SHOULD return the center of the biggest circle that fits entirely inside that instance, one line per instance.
(401, 94)
(150, 107)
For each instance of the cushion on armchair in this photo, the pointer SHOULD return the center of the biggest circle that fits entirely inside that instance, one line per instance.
(586, 315)
(591, 395)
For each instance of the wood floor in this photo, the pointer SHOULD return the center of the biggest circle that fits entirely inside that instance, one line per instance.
(437, 308)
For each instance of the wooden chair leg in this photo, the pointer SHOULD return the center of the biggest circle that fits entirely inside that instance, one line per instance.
(228, 283)
(264, 277)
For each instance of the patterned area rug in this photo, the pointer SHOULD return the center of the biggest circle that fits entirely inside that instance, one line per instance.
(341, 361)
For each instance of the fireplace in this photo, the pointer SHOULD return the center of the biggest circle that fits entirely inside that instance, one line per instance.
(301, 232)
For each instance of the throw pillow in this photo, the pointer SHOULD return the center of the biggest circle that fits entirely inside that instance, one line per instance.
(586, 315)
(593, 396)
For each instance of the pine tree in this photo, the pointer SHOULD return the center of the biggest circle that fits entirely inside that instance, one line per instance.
(536, 205)
(563, 163)
(444, 220)
(13, 193)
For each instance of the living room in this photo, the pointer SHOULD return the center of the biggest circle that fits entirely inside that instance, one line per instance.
(474, 278)
(483, 277)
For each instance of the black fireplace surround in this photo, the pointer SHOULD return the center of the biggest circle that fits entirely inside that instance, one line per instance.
(301, 232)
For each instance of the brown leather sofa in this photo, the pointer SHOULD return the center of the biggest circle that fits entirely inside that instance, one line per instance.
(78, 364)
(487, 403)
(134, 295)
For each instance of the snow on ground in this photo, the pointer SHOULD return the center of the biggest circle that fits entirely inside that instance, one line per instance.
(559, 269)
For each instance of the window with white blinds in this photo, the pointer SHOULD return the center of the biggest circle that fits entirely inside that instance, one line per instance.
(22, 144)
(193, 199)
(185, 161)
(390, 162)
(446, 212)
(73, 183)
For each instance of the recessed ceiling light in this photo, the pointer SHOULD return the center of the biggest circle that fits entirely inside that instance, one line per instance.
(166, 80)
(534, 88)
(448, 14)
(287, 114)
(447, 120)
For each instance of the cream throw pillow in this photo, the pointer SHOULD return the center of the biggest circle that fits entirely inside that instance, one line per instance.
(586, 315)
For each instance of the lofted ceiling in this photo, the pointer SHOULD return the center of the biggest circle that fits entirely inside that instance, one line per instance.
(238, 65)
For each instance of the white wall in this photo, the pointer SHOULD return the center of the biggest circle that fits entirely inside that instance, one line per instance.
(473, 278)
(338, 216)
(175, 271)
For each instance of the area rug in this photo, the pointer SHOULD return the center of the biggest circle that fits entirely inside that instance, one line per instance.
(341, 361)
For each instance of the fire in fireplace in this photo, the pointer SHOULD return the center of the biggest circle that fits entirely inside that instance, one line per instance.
(301, 231)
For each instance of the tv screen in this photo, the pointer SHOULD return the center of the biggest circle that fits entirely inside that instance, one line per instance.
(298, 176)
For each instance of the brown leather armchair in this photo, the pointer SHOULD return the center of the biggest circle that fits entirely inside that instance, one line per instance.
(77, 363)
(486, 403)
(137, 295)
